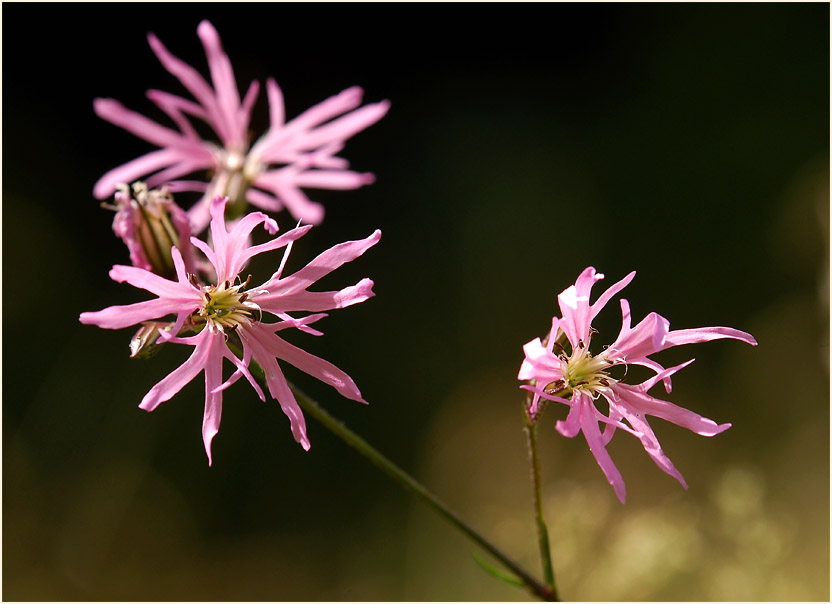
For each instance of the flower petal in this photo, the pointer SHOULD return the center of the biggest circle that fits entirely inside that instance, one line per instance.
(213, 393)
(344, 127)
(117, 317)
(144, 279)
(278, 386)
(706, 334)
(644, 339)
(277, 303)
(539, 364)
(324, 264)
(225, 87)
(648, 439)
(195, 84)
(314, 366)
(609, 293)
(572, 424)
(645, 404)
(292, 198)
(135, 169)
(574, 307)
(182, 375)
(589, 426)
(146, 129)
(333, 179)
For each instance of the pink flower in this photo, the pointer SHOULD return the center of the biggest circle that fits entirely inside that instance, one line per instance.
(577, 378)
(287, 158)
(229, 312)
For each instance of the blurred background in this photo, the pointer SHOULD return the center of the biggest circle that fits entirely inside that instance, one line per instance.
(525, 142)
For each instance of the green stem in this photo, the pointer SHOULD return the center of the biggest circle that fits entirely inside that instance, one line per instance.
(410, 484)
(537, 502)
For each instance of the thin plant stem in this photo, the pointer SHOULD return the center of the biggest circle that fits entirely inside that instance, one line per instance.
(537, 502)
(410, 484)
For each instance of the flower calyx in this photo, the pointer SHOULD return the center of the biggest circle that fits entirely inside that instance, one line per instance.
(151, 224)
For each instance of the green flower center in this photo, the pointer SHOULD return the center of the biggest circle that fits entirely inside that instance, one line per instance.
(582, 372)
(226, 307)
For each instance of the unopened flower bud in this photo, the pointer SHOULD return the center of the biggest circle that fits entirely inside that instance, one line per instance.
(150, 223)
(145, 343)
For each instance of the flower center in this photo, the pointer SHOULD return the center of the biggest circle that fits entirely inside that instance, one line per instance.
(226, 307)
(582, 372)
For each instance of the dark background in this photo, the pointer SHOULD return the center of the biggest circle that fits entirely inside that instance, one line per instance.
(525, 142)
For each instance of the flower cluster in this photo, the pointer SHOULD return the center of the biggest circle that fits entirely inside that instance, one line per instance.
(271, 173)
(228, 317)
(563, 370)
(201, 299)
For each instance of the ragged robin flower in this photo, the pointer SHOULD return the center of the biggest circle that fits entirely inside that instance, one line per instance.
(233, 321)
(270, 174)
(562, 369)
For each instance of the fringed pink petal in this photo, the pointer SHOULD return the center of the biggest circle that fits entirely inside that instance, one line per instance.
(325, 263)
(314, 366)
(302, 323)
(118, 317)
(316, 301)
(572, 424)
(136, 169)
(213, 394)
(648, 439)
(200, 214)
(344, 127)
(178, 170)
(609, 293)
(539, 364)
(178, 186)
(574, 307)
(642, 340)
(175, 107)
(209, 253)
(291, 197)
(264, 201)
(278, 386)
(242, 370)
(244, 113)
(145, 128)
(275, 244)
(219, 234)
(182, 375)
(333, 179)
(277, 114)
(553, 334)
(195, 84)
(706, 334)
(662, 375)
(225, 87)
(589, 426)
(144, 279)
(640, 402)
(335, 105)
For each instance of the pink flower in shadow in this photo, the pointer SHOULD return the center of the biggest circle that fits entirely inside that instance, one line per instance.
(272, 174)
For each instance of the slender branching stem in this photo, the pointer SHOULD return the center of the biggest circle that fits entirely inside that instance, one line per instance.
(409, 483)
(406, 481)
(537, 503)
